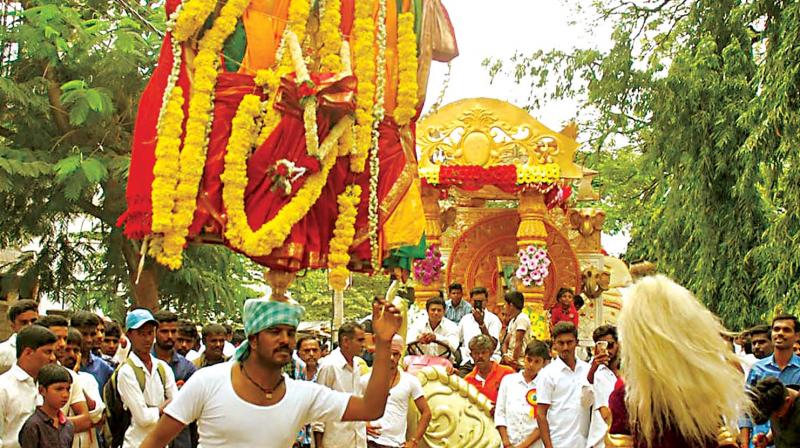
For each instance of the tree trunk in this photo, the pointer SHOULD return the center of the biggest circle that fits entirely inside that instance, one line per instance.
(145, 293)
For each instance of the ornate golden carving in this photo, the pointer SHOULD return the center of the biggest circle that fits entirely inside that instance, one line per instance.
(488, 132)
(588, 222)
(433, 234)
(460, 413)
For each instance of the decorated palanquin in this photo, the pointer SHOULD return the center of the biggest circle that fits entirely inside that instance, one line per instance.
(497, 190)
(284, 129)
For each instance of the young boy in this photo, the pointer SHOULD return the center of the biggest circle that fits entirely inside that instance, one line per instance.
(515, 412)
(780, 405)
(48, 426)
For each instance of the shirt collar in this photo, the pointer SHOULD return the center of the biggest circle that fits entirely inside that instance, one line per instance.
(793, 361)
(21, 375)
(520, 378)
(338, 358)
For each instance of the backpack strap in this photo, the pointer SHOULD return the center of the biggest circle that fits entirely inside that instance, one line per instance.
(163, 375)
(138, 372)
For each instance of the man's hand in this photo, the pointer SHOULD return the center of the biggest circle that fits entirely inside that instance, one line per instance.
(373, 430)
(600, 359)
(427, 338)
(478, 315)
(410, 443)
(386, 320)
(163, 406)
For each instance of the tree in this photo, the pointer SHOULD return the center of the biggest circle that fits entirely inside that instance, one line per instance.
(692, 114)
(312, 291)
(72, 72)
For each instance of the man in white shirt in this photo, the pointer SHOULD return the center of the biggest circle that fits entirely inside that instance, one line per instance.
(564, 395)
(340, 371)
(479, 321)
(603, 377)
(18, 391)
(250, 402)
(515, 409)
(88, 386)
(21, 314)
(436, 328)
(146, 406)
(390, 430)
(518, 331)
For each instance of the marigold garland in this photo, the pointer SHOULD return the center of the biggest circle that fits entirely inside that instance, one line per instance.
(272, 233)
(194, 15)
(329, 35)
(364, 70)
(343, 233)
(407, 70)
(167, 154)
(193, 155)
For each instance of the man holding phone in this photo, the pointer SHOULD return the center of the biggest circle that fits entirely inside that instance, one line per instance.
(603, 377)
(480, 321)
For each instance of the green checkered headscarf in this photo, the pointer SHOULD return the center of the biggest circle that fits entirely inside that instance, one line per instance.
(260, 314)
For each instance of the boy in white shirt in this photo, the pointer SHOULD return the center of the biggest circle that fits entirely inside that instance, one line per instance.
(515, 410)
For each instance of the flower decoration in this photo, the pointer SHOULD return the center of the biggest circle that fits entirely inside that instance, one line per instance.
(538, 174)
(533, 266)
(343, 234)
(429, 269)
(407, 71)
(284, 173)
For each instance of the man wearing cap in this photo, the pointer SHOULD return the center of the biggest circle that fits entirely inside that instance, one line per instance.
(145, 405)
(250, 402)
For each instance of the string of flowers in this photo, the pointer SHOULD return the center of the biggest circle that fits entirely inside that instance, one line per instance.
(378, 115)
(364, 70)
(343, 234)
(533, 265)
(167, 151)
(407, 86)
(329, 35)
(272, 233)
(194, 15)
(538, 174)
(167, 155)
(201, 103)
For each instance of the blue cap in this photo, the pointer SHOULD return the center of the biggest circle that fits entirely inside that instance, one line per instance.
(137, 318)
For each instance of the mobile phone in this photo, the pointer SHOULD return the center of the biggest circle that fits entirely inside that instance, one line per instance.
(602, 347)
(479, 305)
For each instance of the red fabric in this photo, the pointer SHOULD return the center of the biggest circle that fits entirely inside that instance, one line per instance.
(491, 386)
(137, 219)
(671, 438)
(558, 314)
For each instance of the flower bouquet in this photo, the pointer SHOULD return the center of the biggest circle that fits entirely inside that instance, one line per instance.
(533, 266)
(428, 270)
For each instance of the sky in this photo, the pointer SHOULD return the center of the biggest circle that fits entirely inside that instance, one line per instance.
(500, 30)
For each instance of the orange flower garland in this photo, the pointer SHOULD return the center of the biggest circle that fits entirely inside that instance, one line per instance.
(167, 154)
(364, 69)
(343, 233)
(407, 70)
(329, 35)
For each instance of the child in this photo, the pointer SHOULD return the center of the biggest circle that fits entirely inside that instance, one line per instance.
(564, 309)
(48, 426)
(515, 412)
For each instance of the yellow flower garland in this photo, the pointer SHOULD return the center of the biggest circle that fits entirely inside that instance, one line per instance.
(272, 233)
(364, 70)
(193, 155)
(407, 69)
(167, 154)
(192, 17)
(538, 174)
(343, 233)
(329, 35)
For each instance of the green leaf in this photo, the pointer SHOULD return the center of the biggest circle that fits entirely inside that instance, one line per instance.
(65, 167)
(94, 170)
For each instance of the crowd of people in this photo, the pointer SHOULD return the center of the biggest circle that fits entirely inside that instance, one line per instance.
(668, 376)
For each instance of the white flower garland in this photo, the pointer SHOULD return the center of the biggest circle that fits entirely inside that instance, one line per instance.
(378, 114)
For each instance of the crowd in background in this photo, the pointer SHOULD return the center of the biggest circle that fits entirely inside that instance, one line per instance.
(84, 381)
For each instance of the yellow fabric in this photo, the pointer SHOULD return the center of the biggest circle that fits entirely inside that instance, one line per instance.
(264, 22)
(406, 225)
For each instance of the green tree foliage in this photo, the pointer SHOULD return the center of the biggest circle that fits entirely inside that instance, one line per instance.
(72, 72)
(312, 291)
(692, 119)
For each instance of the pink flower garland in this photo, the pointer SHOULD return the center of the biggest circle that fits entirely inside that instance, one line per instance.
(428, 270)
(533, 266)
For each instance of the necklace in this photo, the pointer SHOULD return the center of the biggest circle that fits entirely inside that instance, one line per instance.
(267, 391)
